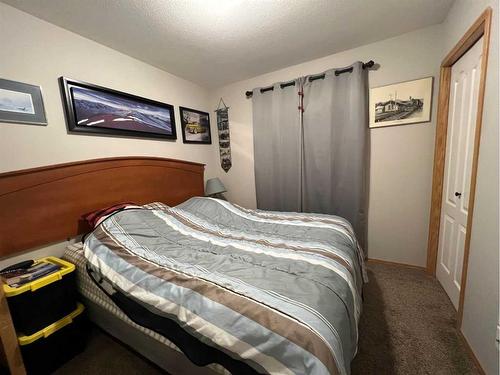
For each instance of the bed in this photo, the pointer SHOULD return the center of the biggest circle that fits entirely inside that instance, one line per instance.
(105, 313)
(256, 292)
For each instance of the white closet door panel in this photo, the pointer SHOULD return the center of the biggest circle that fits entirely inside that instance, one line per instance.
(462, 114)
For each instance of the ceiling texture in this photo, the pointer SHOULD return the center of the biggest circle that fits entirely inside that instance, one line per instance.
(215, 42)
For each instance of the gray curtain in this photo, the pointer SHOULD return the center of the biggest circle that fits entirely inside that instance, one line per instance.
(277, 148)
(315, 160)
(335, 146)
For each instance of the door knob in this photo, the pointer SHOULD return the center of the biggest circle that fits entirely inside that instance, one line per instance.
(457, 194)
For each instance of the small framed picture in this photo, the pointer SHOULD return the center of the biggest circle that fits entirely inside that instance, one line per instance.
(21, 103)
(401, 103)
(195, 126)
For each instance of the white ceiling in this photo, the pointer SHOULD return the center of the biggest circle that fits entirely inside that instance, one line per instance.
(215, 42)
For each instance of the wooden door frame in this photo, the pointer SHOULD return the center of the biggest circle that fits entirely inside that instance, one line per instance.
(480, 28)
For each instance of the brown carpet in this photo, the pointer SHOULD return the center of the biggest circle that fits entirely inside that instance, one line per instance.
(407, 327)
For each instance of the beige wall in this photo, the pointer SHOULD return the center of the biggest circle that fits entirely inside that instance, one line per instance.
(37, 52)
(401, 156)
(481, 295)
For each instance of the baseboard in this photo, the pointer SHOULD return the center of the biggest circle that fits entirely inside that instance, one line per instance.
(471, 352)
(380, 261)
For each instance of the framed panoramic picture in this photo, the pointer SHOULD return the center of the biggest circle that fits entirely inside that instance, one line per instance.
(195, 126)
(99, 110)
(401, 103)
(21, 103)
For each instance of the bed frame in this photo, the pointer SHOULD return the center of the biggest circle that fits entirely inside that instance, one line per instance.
(44, 205)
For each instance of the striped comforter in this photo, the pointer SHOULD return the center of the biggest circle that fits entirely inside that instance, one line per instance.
(279, 291)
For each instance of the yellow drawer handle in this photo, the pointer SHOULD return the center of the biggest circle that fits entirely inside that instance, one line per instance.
(56, 327)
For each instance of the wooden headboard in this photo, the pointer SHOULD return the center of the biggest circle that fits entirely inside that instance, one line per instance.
(44, 205)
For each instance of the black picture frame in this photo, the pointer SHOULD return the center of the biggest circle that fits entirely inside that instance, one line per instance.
(187, 134)
(21, 103)
(127, 125)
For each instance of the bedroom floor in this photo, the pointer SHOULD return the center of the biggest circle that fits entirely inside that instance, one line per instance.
(407, 327)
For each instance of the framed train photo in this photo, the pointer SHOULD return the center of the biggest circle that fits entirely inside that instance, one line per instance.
(401, 103)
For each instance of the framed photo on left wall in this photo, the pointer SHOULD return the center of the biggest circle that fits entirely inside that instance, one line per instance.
(95, 109)
(21, 103)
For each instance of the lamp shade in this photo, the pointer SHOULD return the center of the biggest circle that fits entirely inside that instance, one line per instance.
(214, 186)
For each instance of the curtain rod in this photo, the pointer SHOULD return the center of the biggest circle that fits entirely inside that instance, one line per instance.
(368, 64)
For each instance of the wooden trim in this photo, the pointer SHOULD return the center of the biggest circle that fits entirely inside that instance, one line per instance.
(389, 263)
(95, 161)
(46, 205)
(9, 347)
(438, 170)
(471, 36)
(471, 352)
(480, 28)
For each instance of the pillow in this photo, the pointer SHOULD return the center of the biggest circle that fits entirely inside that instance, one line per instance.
(94, 218)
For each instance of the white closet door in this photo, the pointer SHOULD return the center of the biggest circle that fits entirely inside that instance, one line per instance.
(465, 75)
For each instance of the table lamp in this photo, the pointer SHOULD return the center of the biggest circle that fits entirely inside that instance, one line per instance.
(215, 188)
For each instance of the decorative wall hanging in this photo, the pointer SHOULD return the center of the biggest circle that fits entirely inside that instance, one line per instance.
(401, 103)
(21, 103)
(223, 130)
(195, 126)
(95, 109)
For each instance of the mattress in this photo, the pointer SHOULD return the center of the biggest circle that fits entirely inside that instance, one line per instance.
(278, 292)
(92, 293)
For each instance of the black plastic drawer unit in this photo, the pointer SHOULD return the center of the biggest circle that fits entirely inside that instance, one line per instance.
(46, 350)
(35, 305)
